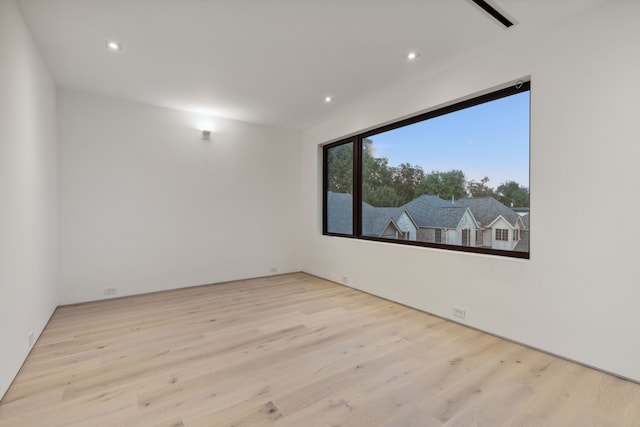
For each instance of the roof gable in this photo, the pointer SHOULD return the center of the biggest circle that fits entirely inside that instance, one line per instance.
(487, 209)
(426, 211)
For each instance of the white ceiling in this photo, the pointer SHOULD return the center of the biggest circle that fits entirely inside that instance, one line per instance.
(267, 61)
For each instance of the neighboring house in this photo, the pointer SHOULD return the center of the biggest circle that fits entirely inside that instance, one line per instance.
(407, 225)
(523, 244)
(475, 221)
(521, 211)
(380, 222)
(441, 221)
(393, 231)
(501, 226)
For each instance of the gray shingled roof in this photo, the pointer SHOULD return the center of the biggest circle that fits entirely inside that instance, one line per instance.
(426, 211)
(421, 208)
(432, 211)
(487, 209)
(340, 216)
(339, 213)
(374, 220)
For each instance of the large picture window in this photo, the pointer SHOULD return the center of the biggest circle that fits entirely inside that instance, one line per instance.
(438, 179)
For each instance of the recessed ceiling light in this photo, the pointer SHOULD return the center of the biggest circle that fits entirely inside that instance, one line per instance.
(111, 45)
(328, 98)
(412, 56)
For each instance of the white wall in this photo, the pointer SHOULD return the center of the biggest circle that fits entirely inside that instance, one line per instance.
(146, 205)
(28, 206)
(578, 295)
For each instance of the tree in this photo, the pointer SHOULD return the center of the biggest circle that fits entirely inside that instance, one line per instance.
(381, 196)
(406, 179)
(376, 178)
(384, 185)
(480, 189)
(444, 184)
(510, 193)
(340, 169)
(375, 175)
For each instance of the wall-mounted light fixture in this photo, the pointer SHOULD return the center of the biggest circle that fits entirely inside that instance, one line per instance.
(206, 126)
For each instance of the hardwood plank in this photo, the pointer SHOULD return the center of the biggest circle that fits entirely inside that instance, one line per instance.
(295, 350)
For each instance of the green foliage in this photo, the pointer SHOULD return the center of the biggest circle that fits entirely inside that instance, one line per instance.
(340, 169)
(480, 189)
(381, 196)
(444, 184)
(510, 193)
(377, 181)
(406, 179)
(384, 185)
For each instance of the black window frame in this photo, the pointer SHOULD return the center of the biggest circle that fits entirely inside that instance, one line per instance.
(519, 87)
(325, 187)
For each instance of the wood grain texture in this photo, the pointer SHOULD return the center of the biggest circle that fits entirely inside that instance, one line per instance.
(295, 350)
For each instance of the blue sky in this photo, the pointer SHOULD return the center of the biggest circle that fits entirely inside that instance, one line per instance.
(490, 139)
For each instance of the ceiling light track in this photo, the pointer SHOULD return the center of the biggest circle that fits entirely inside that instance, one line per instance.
(493, 12)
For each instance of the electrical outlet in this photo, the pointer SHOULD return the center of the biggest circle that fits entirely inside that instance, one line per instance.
(345, 279)
(32, 336)
(110, 291)
(459, 312)
(274, 269)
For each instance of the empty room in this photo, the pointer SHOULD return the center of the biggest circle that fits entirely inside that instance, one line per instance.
(319, 213)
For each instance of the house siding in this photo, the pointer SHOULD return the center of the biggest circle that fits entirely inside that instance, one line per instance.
(406, 224)
(507, 245)
(426, 235)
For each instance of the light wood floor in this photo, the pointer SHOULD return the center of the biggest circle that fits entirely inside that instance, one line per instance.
(295, 350)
